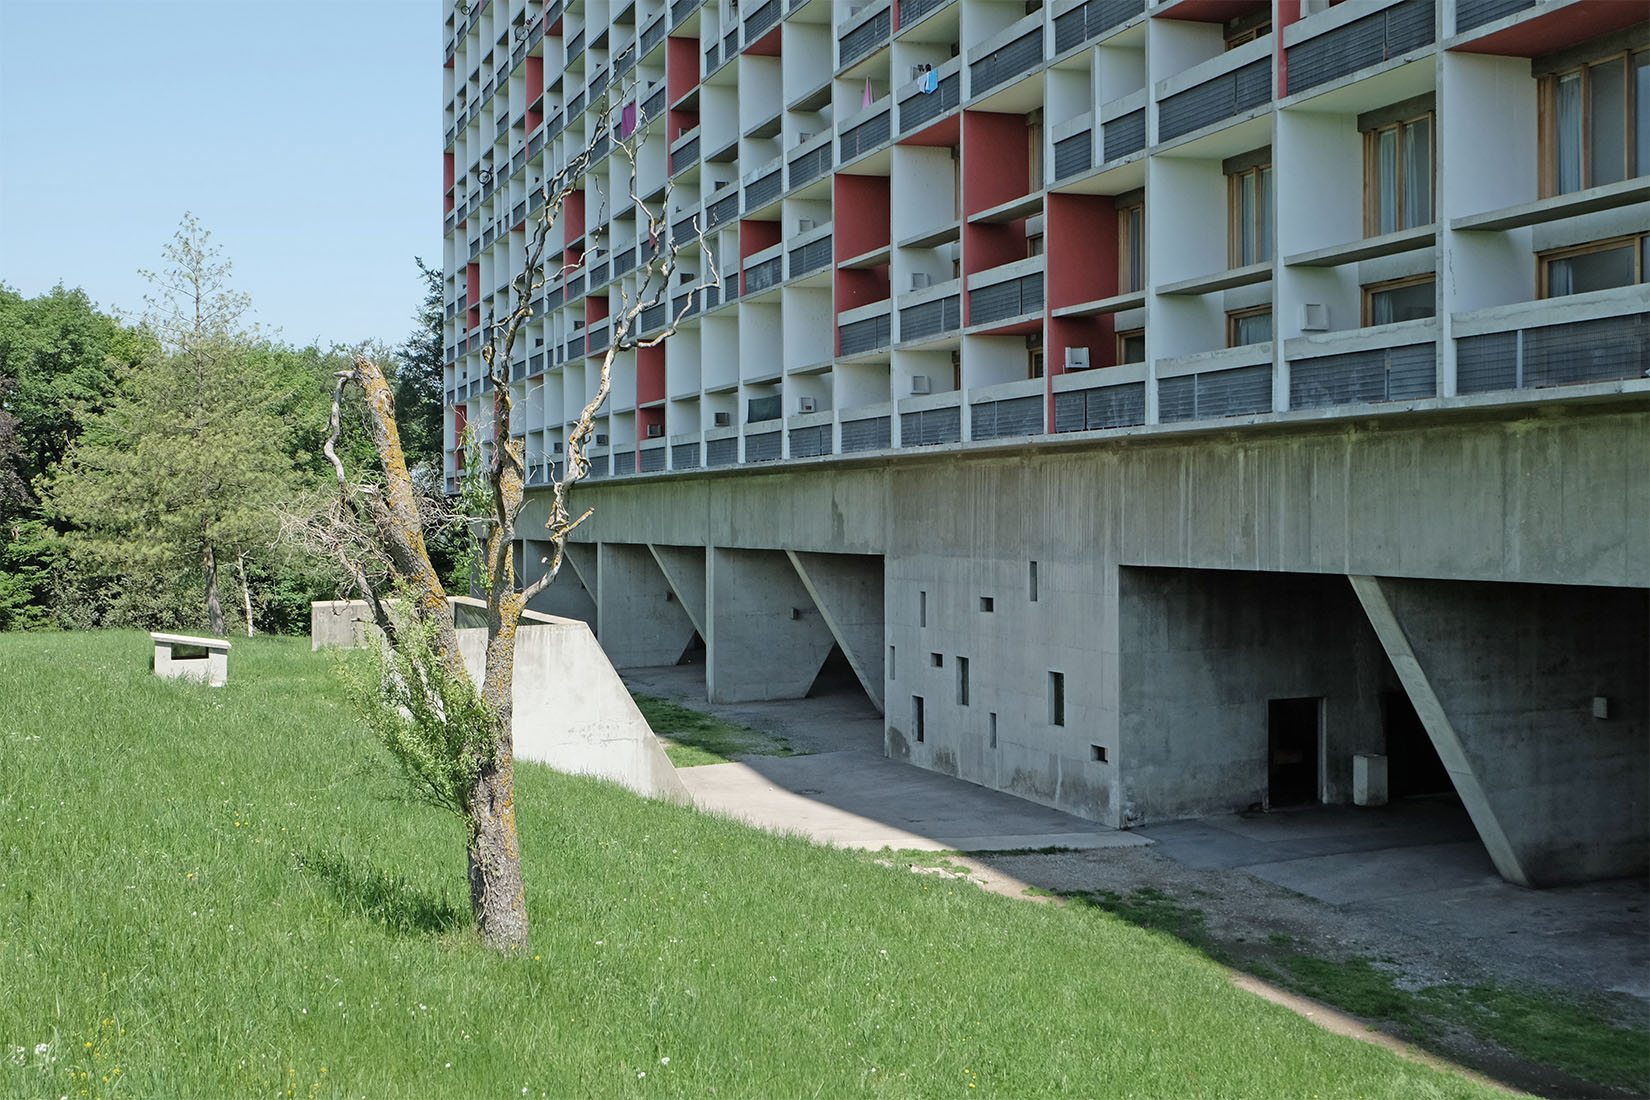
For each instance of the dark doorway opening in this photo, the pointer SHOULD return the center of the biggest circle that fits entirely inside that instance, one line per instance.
(1293, 735)
(836, 677)
(694, 654)
(1413, 766)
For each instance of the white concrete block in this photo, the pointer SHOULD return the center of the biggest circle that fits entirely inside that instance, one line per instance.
(1369, 784)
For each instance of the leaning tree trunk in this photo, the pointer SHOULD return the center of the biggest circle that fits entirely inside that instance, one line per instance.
(496, 894)
(214, 604)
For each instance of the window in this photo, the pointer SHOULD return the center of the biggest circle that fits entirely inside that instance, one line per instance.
(922, 609)
(1131, 346)
(1247, 28)
(988, 604)
(1250, 217)
(937, 660)
(1248, 326)
(1399, 300)
(916, 716)
(1131, 246)
(962, 681)
(1595, 123)
(1034, 364)
(1596, 266)
(893, 668)
(1031, 582)
(1398, 177)
(1056, 698)
(992, 727)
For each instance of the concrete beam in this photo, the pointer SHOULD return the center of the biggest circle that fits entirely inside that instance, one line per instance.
(639, 620)
(767, 640)
(684, 568)
(847, 590)
(1505, 677)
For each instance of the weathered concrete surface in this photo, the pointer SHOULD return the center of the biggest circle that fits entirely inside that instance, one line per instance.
(573, 713)
(565, 597)
(639, 619)
(212, 669)
(847, 590)
(584, 563)
(766, 640)
(338, 623)
(684, 569)
(1504, 678)
(1203, 652)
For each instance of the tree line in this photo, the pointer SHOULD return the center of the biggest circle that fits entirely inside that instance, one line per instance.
(146, 464)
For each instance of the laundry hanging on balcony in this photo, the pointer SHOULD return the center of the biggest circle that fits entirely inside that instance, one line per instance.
(867, 101)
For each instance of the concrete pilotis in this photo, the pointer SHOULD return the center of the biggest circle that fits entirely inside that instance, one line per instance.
(639, 619)
(583, 558)
(684, 569)
(566, 596)
(1507, 680)
(767, 640)
(847, 590)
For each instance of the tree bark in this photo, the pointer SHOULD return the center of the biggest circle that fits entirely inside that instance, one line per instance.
(497, 896)
(214, 604)
(246, 593)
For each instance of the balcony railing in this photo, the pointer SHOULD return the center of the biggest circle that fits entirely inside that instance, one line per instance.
(1600, 349)
(920, 108)
(858, 337)
(1017, 58)
(1091, 20)
(865, 38)
(766, 274)
(1206, 395)
(1361, 377)
(872, 433)
(865, 136)
(1009, 298)
(929, 319)
(1097, 407)
(1219, 97)
(808, 258)
(1361, 43)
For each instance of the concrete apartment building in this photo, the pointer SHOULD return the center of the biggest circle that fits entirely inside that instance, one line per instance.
(1153, 405)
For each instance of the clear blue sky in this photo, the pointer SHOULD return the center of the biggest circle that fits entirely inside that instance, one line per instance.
(305, 134)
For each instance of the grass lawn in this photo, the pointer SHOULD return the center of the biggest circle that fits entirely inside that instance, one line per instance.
(692, 738)
(220, 893)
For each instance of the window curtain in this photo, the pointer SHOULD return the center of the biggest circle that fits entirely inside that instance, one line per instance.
(1417, 173)
(1386, 180)
(1567, 132)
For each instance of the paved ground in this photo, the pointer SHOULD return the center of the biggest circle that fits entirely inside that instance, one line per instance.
(1409, 885)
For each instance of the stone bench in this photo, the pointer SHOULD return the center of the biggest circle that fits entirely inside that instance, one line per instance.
(211, 669)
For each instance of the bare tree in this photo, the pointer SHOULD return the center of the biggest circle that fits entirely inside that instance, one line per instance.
(453, 739)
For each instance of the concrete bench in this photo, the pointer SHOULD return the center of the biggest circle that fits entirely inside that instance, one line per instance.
(211, 669)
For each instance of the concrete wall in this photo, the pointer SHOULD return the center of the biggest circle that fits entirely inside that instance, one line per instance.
(639, 619)
(1203, 652)
(767, 639)
(1505, 678)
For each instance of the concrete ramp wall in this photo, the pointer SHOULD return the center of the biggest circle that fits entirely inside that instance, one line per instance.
(573, 713)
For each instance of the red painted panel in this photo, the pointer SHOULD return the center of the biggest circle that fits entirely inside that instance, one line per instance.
(681, 67)
(535, 77)
(988, 245)
(678, 123)
(1556, 30)
(596, 308)
(1212, 11)
(1081, 239)
(766, 46)
(535, 116)
(447, 171)
(459, 413)
(1098, 334)
(860, 218)
(472, 280)
(650, 377)
(572, 217)
(754, 236)
(944, 132)
(996, 159)
(861, 286)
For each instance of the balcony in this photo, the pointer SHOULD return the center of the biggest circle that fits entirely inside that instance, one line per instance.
(1011, 53)
(1212, 384)
(811, 255)
(869, 429)
(1094, 19)
(931, 420)
(865, 329)
(1602, 336)
(930, 313)
(1008, 410)
(1095, 400)
(918, 108)
(1006, 294)
(1219, 89)
(1333, 45)
(869, 132)
(861, 34)
(1396, 362)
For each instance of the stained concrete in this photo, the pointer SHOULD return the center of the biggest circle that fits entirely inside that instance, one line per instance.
(767, 640)
(639, 619)
(847, 591)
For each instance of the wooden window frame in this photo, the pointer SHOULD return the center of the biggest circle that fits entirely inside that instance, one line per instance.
(1234, 215)
(1547, 120)
(1130, 281)
(1123, 337)
(1632, 241)
(1372, 171)
(1233, 316)
(1372, 289)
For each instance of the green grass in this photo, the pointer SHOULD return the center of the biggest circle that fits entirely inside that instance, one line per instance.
(220, 893)
(692, 738)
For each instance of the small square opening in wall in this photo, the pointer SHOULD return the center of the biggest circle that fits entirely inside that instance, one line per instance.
(916, 716)
(988, 604)
(1056, 698)
(1098, 753)
(937, 660)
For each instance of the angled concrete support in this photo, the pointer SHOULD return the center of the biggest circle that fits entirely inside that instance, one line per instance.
(582, 557)
(641, 623)
(684, 568)
(847, 590)
(767, 640)
(1535, 697)
(564, 597)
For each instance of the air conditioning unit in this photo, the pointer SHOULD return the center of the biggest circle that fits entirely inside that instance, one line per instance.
(722, 420)
(919, 384)
(804, 136)
(555, 448)
(1314, 317)
(654, 431)
(804, 225)
(577, 324)
(601, 440)
(807, 405)
(921, 280)
(1077, 358)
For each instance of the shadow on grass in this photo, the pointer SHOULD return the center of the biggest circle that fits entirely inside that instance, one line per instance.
(385, 899)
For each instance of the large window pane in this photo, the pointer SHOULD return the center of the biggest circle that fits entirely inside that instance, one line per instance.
(1641, 113)
(1401, 303)
(1591, 271)
(1607, 122)
(1567, 133)
(1386, 181)
(1251, 329)
(1246, 218)
(1264, 249)
(1136, 261)
(1417, 173)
